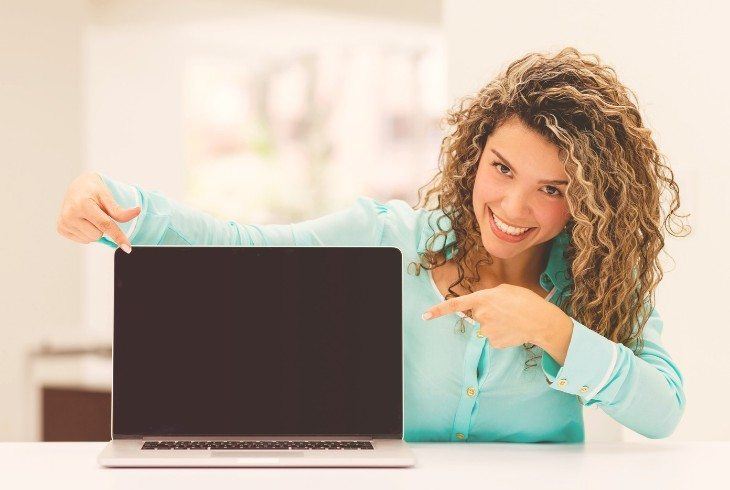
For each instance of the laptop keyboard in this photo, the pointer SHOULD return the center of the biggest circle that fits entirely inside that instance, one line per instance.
(298, 445)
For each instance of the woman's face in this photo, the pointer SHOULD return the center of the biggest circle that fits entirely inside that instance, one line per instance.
(515, 182)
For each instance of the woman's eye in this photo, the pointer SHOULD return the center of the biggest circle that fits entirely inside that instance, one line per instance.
(556, 193)
(500, 166)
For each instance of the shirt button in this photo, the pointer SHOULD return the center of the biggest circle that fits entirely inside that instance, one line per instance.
(562, 382)
(459, 435)
(584, 389)
(471, 391)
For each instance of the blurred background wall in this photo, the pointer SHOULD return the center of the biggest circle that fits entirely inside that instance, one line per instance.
(220, 104)
(41, 136)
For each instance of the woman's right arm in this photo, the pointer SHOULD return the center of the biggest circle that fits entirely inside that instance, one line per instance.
(164, 221)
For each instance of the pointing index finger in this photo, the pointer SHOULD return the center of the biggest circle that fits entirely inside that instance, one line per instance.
(458, 304)
(107, 225)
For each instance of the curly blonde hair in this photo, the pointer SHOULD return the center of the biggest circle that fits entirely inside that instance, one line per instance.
(616, 179)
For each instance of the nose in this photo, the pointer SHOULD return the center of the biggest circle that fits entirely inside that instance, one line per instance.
(516, 207)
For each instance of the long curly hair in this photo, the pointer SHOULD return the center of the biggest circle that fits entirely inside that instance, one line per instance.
(616, 174)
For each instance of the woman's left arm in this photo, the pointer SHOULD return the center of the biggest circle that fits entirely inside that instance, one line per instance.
(643, 392)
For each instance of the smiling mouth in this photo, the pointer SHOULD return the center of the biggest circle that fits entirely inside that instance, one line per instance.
(503, 222)
(508, 233)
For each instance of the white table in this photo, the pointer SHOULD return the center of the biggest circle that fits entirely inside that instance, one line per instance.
(485, 466)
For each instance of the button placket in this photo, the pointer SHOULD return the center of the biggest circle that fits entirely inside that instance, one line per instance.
(488, 356)
(464, 411)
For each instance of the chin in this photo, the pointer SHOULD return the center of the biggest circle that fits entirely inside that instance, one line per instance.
(501, 254)
(501, 251)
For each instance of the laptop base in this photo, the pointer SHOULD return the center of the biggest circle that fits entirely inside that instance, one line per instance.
(126, 453)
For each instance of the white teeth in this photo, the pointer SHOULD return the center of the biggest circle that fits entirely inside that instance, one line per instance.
(510, 230)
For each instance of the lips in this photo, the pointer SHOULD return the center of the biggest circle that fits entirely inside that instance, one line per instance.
(510, 224)
(506, 236)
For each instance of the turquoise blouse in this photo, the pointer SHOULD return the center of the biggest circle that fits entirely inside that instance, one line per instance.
(457, 387)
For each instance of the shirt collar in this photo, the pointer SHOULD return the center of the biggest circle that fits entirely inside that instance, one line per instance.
(555, 273)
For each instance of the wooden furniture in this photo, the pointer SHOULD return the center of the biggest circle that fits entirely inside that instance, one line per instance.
(76, 414)
(68, 394)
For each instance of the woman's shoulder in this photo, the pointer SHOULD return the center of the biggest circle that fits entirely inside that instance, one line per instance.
(420, 228)
(400, 213)
(406, 222)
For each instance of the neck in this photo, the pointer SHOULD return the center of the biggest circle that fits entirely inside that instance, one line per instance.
(523, 269)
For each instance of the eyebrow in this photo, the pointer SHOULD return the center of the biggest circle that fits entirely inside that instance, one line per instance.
(556, 182)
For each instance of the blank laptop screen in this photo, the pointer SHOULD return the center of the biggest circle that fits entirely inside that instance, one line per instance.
(258, 341)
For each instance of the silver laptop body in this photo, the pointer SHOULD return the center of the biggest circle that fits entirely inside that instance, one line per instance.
(257, 356)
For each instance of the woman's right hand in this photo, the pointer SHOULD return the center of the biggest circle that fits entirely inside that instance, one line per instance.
(89, 211)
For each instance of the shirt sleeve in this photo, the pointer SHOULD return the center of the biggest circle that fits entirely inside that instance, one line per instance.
(643, 392)
(164, 221)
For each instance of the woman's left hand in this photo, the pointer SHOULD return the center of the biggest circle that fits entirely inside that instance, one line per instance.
(508, 315)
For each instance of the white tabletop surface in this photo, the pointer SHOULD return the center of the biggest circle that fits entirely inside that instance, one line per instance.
(485, 466)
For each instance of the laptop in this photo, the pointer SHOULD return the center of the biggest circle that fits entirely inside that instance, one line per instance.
(257, 356)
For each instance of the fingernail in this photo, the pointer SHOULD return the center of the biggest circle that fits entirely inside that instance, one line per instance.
(126, 248)
(427, 315)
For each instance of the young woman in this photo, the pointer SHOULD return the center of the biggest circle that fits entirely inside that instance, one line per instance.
(529, 286)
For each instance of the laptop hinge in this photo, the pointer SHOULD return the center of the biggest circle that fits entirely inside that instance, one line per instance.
(258, 438)
(284, 437)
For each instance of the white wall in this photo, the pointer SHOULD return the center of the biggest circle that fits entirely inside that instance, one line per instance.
(673, 55)
(41, 144)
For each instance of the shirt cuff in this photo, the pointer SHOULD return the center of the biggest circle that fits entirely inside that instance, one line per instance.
(589, 363)
(127, 196)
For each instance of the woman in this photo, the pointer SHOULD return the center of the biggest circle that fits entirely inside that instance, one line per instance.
(535, 272)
